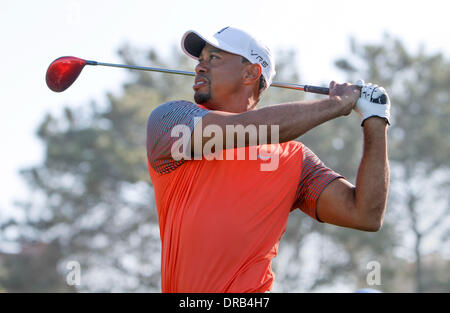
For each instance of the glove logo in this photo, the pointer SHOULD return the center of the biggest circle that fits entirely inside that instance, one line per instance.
(380, 100)
(377, 95)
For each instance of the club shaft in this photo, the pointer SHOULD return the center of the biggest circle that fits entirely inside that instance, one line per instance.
(306, 88)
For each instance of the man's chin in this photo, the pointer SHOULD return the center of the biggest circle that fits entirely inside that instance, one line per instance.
(202, 98)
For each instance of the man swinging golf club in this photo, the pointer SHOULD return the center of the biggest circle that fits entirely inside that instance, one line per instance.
(221, 218)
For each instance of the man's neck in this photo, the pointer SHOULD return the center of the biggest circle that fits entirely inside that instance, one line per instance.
(234, 104)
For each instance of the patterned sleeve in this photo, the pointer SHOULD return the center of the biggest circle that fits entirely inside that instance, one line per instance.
(160, 139)
(314, 178)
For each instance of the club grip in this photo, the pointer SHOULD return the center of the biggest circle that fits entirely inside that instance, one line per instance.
(316, 89)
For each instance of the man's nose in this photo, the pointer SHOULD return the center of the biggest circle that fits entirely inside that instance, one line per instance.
(201, 68)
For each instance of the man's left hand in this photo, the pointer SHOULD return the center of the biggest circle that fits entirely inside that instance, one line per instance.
(374, 101)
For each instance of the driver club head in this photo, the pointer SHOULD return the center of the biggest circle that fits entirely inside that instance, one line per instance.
(63, 71)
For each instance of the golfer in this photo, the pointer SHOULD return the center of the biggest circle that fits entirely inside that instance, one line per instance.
(221, 212)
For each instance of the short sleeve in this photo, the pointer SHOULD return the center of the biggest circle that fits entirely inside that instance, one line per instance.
(314, 179)
(160, 136)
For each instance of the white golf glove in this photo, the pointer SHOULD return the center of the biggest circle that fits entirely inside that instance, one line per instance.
(374, 101)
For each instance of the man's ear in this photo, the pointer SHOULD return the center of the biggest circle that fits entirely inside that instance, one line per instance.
(252, 74)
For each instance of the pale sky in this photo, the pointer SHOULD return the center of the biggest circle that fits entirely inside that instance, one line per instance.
(34, 33)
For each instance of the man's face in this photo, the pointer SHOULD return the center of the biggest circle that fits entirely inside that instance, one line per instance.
(218, 77)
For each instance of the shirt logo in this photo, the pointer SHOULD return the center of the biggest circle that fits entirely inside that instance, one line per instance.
(264, 157)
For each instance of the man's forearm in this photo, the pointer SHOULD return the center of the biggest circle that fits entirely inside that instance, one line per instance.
(294, 119)
(372, 181)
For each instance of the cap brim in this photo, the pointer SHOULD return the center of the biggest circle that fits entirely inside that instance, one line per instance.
(193, 43)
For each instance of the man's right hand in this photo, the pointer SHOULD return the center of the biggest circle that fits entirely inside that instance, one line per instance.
(346, 95)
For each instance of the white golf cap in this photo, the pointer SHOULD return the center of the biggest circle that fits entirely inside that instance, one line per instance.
(235, 41)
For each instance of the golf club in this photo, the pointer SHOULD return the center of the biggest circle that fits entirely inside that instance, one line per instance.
(63, 71)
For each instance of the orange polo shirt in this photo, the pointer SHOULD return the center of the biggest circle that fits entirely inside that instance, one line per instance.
(221, 220)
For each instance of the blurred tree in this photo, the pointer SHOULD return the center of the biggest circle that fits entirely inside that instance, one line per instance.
(316, 256)
(420, 157)
(92, 199)
(92, 196)
(419, 86)
(34, 269)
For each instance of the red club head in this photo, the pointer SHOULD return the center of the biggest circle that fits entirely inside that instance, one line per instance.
(63, 72)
